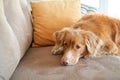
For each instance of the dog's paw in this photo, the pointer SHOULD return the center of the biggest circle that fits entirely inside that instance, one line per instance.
(57, 52)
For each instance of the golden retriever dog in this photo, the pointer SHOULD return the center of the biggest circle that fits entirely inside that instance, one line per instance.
(93, 35)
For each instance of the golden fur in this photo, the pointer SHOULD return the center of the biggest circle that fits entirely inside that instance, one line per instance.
(92, 35)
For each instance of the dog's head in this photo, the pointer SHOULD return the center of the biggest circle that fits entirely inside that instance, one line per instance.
(79, 43)
(59, 37)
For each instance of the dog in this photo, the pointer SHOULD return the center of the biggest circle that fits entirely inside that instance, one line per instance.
(93, 35)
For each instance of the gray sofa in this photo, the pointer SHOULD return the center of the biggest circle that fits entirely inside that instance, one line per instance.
(18, 61)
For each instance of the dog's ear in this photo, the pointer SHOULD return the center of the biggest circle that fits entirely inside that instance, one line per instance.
(55, 34)
(93, 43)
(58, 35)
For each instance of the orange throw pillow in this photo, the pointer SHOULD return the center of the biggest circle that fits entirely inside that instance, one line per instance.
(50, 16)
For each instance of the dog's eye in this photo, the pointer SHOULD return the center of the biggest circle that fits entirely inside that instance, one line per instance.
(77, 46)
(65, 44)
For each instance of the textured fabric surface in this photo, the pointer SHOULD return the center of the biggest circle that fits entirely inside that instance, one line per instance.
(40, 64)
(50, 16)
(15, 35)
(18, 19)
(86, 9)
(9, 47)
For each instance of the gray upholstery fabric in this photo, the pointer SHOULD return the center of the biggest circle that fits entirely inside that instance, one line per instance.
(15, 35)
(19, 20)
(9, 47)
(40, 64)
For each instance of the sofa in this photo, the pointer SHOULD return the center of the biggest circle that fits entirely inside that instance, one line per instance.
(19, 61)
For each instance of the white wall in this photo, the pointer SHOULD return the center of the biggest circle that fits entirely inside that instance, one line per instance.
(103, 6)
(114, 8)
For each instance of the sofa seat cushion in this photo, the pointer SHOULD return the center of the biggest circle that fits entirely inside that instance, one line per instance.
(40, 64)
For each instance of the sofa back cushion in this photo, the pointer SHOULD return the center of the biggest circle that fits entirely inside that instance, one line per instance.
(15, 35)
(9, 47)
(18, 18)
(52, 15)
